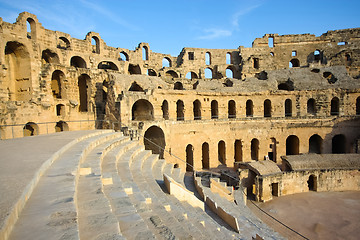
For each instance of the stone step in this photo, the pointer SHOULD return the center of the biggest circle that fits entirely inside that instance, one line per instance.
(95, 217)
(52, 201)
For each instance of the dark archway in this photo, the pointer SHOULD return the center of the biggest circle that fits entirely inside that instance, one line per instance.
(30, 129)
(255, 149)
(205, 156)
(57, 79)
(292, 145)
(288, 108)
(178, 86)
(60, 110)
(222, 152)
(339, 144)
(315, 144)
(334, 109)
(273, 153)
(197, 109)
(214, 110)
(231, 109)
(61, 126)
(165, 109)
(189, 158)
(142, 110)
(238, 153)
(312, 183)
(311, 106)
(84, 92)
(77, 62)
(49, 56)
(267, 108)
(249, 108)
(294, 63)
(108, 65)
(134, 69)
(154, 140)
(180, 110)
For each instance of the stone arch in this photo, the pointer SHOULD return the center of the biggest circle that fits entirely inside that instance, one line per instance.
(61, 126)
(273, 153)
(255, 144)
(180, 110)
(229, 72)
(238, 153)
(142, 110)
(172, 73)
(95, 42)
(166, 62)
(57, 79)
(317, 55)
(231, 109)
(189, 158)
(145, 53)
(84, 82)
(207, 58)
(228, 58)
(334, 106)
(49, 56)
(108, 65)
(338, 144)
(208, 73)
(315, 144)
(165, 109)
(288, 108)
(60, 110)
(123, 56)
(294, 63)
(63, 43)
(18, 71)
(134, 69)
(267, 108)
(312, 183)
(135, 87)
(249, 108)
(154, 140)
(357, 106)
(30, 129)
(311, 106)
(222, 152)
(292, 145)
(214, 109)
(205, 156)
(77, 62)
(178, 86)
(191, 75)
(32, 24)
(151, 72)
(197, 109)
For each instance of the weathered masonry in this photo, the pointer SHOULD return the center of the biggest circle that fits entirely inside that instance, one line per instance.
(286, 95)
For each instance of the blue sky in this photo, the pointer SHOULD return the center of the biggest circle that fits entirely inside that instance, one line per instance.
(168, 26)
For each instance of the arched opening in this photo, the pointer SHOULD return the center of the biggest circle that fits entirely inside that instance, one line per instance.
(178, 86)
(151, 72)
(208, 73)
(228, 58)
(249, 108)
(95, 44)
(238, 154)
(57, 78)
(311, 106)
(255, 149)
(222, 152)
(358, 106)
(134, 69)
(63, 43)
(315, 144)
(288, 108)
(180, 110)
(231, 109)
(172, 74)
(205, 156)
(229, 73)
(135, 87)
(142, 110)
(317, 55)
(60, 110)
(84, 92)
(77, 62)
(214, 110)
(207, 58)
(124, 56)
(154, 140)
(273, 146)
(339, 144)
(294, 63)
(334, 109)
(271, 42)
(30, 129)
(312, 183)
(49, 56)
(165, 109)
(267, 108)
(256, 63)
(189, 158)
(61, 126)
(145, 53)
(31, 28)
(197, 110)
(292, 145)
(108, 65)
(18, 71)
(191, 75)
(166, 62)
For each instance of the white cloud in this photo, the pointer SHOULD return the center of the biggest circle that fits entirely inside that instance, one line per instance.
(242, 12)
(213, 33)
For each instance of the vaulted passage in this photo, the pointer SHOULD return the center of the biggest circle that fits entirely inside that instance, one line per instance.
(180, 110)
(231, 109)
(292, 145)
(189, 158)
(77, 62)
(267, 108)
(84, 92)
(288, 108)
(30, 129)
(222, 152)
(205, 156)
(334, 111)
(315, 144)
(214, 110)
(311, 106)
(142, 110)
(339, 144)
(249, 108)
(154, 140)
(61, 126)
(238, 153)
(197, 110)
(273, 150)
(254, 149)
(49, 56)
(165, 110)
(312, 183)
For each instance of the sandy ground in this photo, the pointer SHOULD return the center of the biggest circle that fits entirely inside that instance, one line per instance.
(316, 215)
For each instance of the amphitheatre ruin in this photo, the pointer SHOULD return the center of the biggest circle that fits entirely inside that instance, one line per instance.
(103, 142)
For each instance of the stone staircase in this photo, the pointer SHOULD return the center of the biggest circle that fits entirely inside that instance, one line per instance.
(106, 186)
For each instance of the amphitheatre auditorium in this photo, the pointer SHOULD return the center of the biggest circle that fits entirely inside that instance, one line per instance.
(102, 142)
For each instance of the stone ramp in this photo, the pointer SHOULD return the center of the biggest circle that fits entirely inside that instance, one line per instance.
(23, 162)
